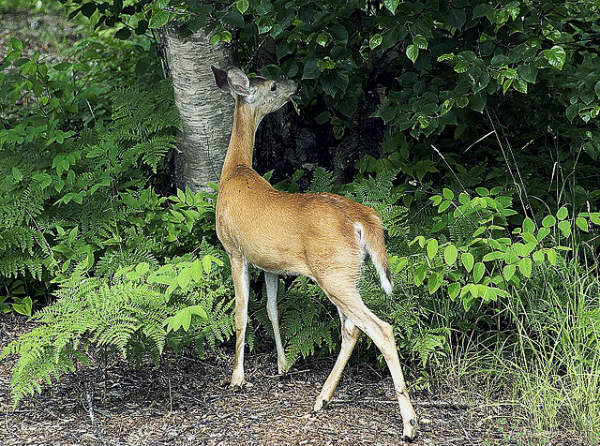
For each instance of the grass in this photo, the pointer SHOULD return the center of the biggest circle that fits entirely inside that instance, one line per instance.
(546, 368)
(557, 369)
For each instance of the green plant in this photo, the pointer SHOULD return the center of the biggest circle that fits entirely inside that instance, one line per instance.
(73, 159)
(141, 310)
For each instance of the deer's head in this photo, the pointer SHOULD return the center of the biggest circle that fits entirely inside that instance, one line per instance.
(260, 94)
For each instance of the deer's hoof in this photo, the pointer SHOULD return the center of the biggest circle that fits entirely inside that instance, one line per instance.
(320, 404)
(410, 431)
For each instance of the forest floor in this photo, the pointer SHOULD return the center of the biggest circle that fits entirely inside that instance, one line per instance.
(186, 401)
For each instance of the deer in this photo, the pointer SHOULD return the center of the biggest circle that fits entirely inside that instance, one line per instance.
(323, 236)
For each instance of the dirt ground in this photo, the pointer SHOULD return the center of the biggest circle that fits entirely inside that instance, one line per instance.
(186, 402)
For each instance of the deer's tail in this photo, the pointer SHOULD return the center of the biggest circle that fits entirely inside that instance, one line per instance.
(372, 240)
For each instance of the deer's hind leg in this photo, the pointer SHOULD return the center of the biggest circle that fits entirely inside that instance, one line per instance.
(350, 334)
(349, 302)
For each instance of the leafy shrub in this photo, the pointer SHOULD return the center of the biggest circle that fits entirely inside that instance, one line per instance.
(138, 311)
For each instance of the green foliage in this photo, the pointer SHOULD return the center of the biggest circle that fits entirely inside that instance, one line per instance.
(137, 312)
(83, 223)
(75, 160)
(308, 321)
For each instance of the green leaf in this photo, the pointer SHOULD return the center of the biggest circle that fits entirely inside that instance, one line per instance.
(461, 67)
(520, 86)
(420, 41)
(477, 102)
(434, 282)
(478, 271)
(419, 274)
(538, 256)
(463, 198)
(482, 191)
(375, 41)
(323, 39)
(456, 18)
(549, 221)
(437, 199)
(565, 228)
(484, 10)
(142, 268)
(450, 254)
(242, 6)
(17, 174)
(543, 233)
(206, 263)
(183, 318)
(582, 224)
(467, 260)
(445, 205)
(494, 255)
(445, 57)
(221, 36)
(87, 9)
(196, 270)
(572, 111)
(447, 193)
(123, 34)
(525, 266)
(499, 60)
(527, 72)
(562, 213)
(184, 278)
(555, 56)
(432, 248)
(311, 69)
(159, 18)
(412, 52)
(234, 18)
(529, 238)
(551, 255)
(528, 225)
(509, 271)
(391, 5)
(453, 290)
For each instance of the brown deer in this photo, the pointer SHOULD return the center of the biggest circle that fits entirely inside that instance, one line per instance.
(323, 236)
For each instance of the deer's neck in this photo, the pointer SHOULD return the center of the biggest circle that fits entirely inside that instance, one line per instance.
(241, 144)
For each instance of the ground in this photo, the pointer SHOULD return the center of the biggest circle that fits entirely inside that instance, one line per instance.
(186, 402)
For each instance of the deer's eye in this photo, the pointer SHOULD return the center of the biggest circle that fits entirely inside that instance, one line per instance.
(273, 86)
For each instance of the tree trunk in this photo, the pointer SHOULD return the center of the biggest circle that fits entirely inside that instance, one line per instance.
(206, 113)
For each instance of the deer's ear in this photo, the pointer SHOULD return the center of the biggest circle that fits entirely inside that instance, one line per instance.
(239, 82)
(220, 78)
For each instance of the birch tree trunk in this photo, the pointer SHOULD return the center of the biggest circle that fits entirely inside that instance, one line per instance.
(206, 113)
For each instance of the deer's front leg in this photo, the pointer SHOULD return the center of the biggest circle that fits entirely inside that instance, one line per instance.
(272, 282)
(241, 284)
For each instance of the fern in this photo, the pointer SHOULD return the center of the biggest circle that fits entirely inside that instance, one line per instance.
(380, 194)
(122, 314)
(322, 181)
(307, 320)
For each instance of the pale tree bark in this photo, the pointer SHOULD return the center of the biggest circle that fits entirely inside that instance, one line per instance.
(206, 113)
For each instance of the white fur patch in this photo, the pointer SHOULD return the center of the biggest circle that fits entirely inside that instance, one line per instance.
(365, 248)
